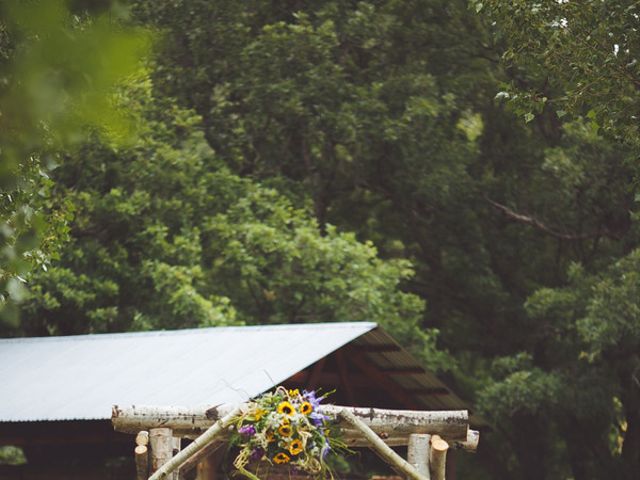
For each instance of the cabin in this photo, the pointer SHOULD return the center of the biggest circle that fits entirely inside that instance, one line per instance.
(58, 392)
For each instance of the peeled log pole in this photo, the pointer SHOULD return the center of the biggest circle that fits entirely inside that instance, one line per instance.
(418, 453)
(393, 425)
(161, 447)
(198, 444)
(142, 462)
(380, 447)
(438, 458)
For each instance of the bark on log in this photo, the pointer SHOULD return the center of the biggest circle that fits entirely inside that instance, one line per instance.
(438, 458)
(418, 453)
(394, 426)
(198, 444)
(142, 462)
(381, 448)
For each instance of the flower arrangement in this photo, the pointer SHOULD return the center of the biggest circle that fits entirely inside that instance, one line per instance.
(285, 428)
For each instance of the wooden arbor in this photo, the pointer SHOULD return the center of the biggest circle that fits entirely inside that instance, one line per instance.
(428, 434)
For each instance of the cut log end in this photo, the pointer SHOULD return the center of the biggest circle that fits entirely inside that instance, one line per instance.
(439, 444)
(142, 438)
(141, 450)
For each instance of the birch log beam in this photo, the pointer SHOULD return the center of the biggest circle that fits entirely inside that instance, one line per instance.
(438, 458)
(381, 448)
(418, 453)
(470, 444)
(394, 426)
(198, 444)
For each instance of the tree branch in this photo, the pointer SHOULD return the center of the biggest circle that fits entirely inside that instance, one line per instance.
(534, 222)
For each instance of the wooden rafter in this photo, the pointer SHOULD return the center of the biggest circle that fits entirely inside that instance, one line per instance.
(382, 379)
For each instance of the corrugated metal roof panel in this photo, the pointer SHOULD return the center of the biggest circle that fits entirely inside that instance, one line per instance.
(81, 377)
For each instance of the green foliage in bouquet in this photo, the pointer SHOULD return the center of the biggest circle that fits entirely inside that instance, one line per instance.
(285, 428)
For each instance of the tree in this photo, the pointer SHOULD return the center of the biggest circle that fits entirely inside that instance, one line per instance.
(165, 236)
(572, 57)
(383, 115)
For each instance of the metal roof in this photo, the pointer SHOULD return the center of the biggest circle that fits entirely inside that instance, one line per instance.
(81, 377)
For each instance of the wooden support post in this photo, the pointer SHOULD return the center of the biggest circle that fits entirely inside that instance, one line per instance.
(142, 462)
(381, 448)
(438, 457)
(142, 455)
(177, 445)
(418, 453)
(198, 444)
(161, 441)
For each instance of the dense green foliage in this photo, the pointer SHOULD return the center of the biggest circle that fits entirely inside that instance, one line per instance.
(315, 161)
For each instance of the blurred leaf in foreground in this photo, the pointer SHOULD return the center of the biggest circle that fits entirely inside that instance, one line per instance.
(58, 72)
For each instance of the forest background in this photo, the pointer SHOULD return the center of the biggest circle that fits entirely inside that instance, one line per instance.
(464, 173)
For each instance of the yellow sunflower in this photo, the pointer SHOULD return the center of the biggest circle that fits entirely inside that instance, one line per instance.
(294, 393)
(295, 447)
(258, 414)
(286, 408)
(306, 408)
(285, 430)
(281, 458)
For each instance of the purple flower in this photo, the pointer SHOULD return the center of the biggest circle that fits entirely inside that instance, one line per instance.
(248, 430)
(317, 418)
(310, 396)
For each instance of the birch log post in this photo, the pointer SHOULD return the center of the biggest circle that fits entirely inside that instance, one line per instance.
(142, 462)
(141, 453)
(394, 425)
(161, 440)
(418, 453)
(438, 458)
(198, 444)
(381, 448)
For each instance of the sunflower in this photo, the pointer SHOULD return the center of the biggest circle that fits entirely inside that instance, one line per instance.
(281, 458)
(259, 413)
(306, 408)
(295, 447)
(294, 393)
(286, 408)
(285, 430)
